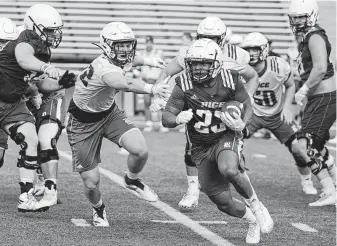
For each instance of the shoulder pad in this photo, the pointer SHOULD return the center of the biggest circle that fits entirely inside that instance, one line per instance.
(183, 82)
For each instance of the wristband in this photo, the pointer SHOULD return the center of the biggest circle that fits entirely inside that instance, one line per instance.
(177, 121)
(148, 88)
(304, 88)
(45, 67)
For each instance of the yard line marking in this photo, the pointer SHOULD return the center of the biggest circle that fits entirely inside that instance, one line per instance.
(303, 227)
(200, 222)
(80, 222)
(173, 213)
(259, 156)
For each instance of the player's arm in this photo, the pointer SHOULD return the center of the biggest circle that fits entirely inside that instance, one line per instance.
(319, 57)
(148, 61)
(24, 54)
(252, 78)
(242, 96)
(120, 82)
(289, 85)
(173, 114)
(286, 114)
(47, 84)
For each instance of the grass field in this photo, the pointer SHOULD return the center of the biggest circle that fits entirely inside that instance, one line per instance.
(136, 222)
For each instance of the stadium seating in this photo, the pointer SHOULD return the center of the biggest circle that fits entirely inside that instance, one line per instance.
(165, 21)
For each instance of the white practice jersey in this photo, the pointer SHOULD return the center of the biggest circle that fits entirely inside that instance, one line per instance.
(236, 58)
(269, 97)
(96, 95)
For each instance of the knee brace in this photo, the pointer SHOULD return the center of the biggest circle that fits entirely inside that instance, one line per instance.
(26, 161)
(188, 161)
(49, 154)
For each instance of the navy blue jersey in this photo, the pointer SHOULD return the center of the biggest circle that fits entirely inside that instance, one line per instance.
(13, 78)
(305, 59)
(206, 127)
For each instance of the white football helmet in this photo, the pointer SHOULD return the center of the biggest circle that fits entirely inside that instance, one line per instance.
(303, 14)
(203, 61)
(8, 29)
(112, 36)
(257, 45)
(214, 28)
(46, 22)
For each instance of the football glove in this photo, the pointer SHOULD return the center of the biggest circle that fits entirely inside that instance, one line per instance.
(67, 80)
(301, 94)
(184, 117)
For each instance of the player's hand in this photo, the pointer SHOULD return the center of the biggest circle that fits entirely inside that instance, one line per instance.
(287, 116)
(155, 62)
(67, 80)
(184, 117)
(234, 123)
(51, 71)
(162, 90)
(36, 100)
(157, 104)
(301, 95)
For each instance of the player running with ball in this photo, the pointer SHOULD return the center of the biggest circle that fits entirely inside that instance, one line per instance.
(216, 141)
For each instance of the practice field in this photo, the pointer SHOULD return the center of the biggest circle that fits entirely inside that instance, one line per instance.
(136, 222)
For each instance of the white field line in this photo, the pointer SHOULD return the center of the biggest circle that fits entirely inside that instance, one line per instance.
(303, 227)
(259, 156)
(80, 222)
(173, 213)
(200, 222)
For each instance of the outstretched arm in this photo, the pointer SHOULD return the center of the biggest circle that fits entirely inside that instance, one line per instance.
(120, 82)
(252, 78)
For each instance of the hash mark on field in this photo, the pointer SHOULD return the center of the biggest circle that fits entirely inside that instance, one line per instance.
(200, 222)
(259, 156)
(303, 227)
(173, 213)
(80, 222)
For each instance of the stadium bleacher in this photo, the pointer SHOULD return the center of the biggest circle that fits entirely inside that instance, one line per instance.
(165, 21)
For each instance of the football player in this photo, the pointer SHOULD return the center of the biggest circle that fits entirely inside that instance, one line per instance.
(272, 106)
(235, 58)
(94, 115)
(319, 87)
(8, 32)
(18, 59)
(216, 142)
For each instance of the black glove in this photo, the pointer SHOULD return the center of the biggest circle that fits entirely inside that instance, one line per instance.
(67, 80)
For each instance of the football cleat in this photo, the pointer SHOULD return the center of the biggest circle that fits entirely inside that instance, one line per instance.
(148, 126)
(50, 195)
(189, 200)
(99, 217)
(253, 234)
(308, 187)
(263, 217)
(39, 185)
(28, 203)
(325, 200)
(142, 189)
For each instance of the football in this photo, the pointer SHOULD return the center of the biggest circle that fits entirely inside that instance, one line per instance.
(233, 106)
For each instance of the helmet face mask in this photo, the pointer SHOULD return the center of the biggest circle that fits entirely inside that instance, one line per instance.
(201, 70)
(122, 51)
(298, 23)
(255, 55)
(51, 36)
